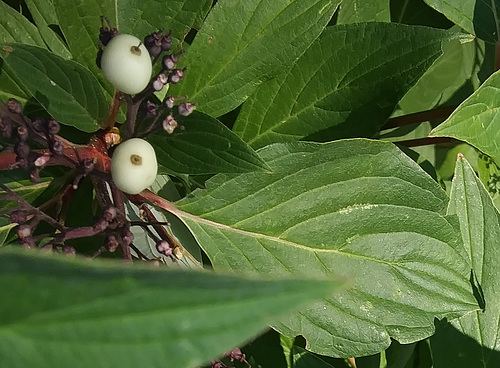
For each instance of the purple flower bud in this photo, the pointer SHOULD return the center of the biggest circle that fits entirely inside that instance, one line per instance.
(109, 213)
(127, 237)
(106, 32)
(152, 43)
(6, 126)
(166, 41)
(23, 231)
(22, 149)
(18, 217)
(164, 248)
(169, 124)
(35, 176)
(150, 109)
(22, 133)
(56, 147)
(53, 126)
(185, 108)
(69, 250)
(88, 164)
(236, 354)
(14, 106)
(159, 82)
(168, 62)
(175, 76)
(169, 102)
(38, 125)
(112, 243)
(28, 242)
(22, 163)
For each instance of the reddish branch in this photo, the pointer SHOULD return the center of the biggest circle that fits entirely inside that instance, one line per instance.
(419, 117)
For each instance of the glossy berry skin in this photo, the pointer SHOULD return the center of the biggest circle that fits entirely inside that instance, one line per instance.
(134, 166)
(126, 63)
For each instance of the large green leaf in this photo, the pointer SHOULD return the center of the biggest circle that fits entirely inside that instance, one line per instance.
(44, 15)
(345, 85)
(473, 340)
(476, 120)
(80, 22)
(479, 17)
(15, 28)
(70, 313)
(68, 91)
(356, 11)
(245, 42)
(458, 64)
(356, 208)
(204, 146)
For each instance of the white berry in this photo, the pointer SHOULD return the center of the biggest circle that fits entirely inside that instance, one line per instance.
(134, 166)
(126, 63)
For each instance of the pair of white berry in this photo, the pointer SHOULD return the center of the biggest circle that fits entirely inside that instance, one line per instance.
(126, 63)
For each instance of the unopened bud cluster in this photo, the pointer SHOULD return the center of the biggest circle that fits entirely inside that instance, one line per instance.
(20, 130)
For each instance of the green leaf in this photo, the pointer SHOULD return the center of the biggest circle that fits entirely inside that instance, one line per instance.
(458, 64)
(304, 359)
(476, 120)
(479, 17)
(17, 181)
(80, 22)
(68, 91)
(44, 15)
(15, 28)
(5, 228)
(204, 146)
(358, 209)
(345, 85)
(80, 314)
(480, 228)
(357, 11)
(418, 12)
(243, 43)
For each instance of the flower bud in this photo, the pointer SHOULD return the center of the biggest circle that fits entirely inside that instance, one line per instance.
(112, 243)
(106, 32)
(69, 250)
(185, 108)
(53, 126)
(6, 126)
(35, 176)
(23, 231)
(22, 133)
(14, 106)
(169, 102)
(166, 41)
(22, 149)
(164, 248)
(175, 76)
(56, 147)
(169, 124)
(150, 109)
(38, 125)
(18, 217)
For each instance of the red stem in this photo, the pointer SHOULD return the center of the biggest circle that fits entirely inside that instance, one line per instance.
(419, 117)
